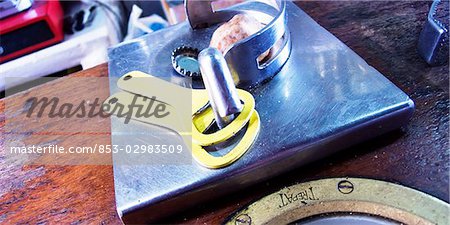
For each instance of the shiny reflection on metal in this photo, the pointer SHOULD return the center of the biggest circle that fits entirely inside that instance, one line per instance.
(242, 55)
(434, 38)
(323, 100)
(218, 82)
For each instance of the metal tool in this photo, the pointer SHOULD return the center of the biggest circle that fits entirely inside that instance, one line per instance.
(434, 38)
(324, 99)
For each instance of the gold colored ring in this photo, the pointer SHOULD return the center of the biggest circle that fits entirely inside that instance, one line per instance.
(227, 132)
(207, 160)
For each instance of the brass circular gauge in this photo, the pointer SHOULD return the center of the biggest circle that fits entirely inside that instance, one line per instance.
(345, 201)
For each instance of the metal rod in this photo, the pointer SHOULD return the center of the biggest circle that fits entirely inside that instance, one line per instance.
(219, 84)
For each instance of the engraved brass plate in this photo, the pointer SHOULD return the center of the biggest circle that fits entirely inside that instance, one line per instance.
(385, 203)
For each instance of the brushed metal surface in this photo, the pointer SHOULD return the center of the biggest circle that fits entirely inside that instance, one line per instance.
(324, 99)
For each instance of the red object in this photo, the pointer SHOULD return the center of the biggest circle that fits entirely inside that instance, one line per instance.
(31, 30)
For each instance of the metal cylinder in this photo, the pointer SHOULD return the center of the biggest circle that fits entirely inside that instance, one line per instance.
(219, 84)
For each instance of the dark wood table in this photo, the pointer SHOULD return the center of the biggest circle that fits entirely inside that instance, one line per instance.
(384, 33)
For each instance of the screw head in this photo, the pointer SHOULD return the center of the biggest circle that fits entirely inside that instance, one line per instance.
(243, 219)
(345, 187)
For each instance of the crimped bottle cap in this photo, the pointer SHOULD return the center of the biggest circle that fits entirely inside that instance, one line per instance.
(184, 61)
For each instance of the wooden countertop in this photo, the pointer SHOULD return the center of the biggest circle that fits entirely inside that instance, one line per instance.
(384, 33)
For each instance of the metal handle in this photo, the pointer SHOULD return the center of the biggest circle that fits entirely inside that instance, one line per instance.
(219, 84)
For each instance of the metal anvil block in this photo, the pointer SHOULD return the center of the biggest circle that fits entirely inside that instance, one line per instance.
(324, 99)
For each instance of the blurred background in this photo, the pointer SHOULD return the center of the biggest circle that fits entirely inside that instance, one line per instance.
(52, 38)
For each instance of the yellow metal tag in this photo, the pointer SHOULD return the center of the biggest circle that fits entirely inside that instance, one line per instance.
(202, 117)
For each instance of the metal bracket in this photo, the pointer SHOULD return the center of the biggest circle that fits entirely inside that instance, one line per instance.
(242, 56)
